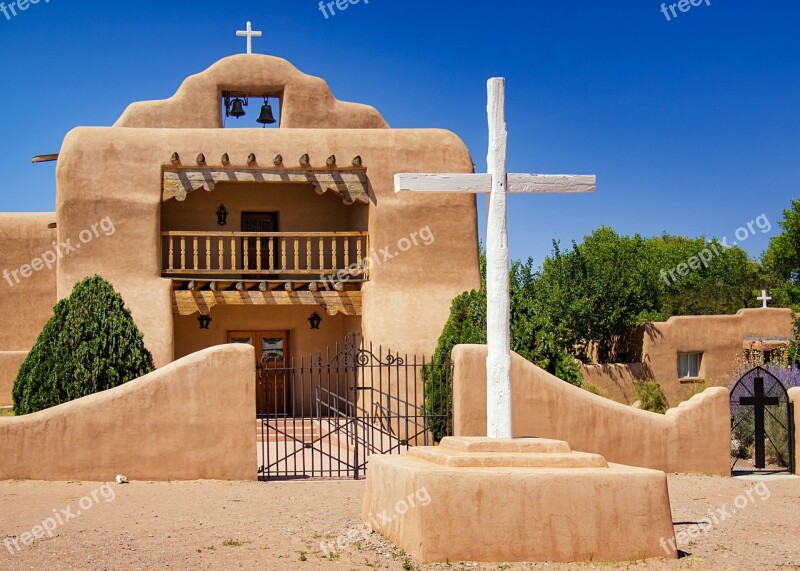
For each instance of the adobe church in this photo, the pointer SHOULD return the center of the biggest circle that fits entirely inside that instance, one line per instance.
(287, 238)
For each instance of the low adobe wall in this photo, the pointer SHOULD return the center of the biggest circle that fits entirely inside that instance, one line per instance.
(695, 437)
(618, 379)
(794, 396)
(191, 420)
(10, 362)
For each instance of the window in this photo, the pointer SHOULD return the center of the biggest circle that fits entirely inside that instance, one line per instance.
(689, 365)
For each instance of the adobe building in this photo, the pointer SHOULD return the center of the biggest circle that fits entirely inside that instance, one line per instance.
(270, 232)
(687, 354)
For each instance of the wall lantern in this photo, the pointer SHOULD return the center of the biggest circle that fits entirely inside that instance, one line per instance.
(204, 319)
(222, 215)
(315, 320)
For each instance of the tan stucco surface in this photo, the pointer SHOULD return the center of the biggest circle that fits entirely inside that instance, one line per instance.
(191, 420)
(10, 362)
(25, 306)
(794, 396)
(505, 501)
(719, 337)
(406, 303)
(694, 437)
(306, 101)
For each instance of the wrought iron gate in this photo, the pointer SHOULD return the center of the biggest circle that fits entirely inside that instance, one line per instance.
(762, 424)
(327, 415)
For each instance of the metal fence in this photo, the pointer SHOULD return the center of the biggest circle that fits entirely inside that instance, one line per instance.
(324, 417)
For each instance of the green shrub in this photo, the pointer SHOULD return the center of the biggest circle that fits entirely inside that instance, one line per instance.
(91, 344)
(651, 395)
(595, 389)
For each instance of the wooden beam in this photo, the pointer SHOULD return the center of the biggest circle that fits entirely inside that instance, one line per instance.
(191, 302)
(44, 158)
(482, 183)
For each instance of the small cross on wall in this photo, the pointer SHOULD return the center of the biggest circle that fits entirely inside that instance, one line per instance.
(249, 33)
(765, 298)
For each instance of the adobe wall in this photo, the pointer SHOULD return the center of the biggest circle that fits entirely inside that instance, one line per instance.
(118, 172)
(618, 379)
(191, 420)
(695, 437)
(794, 396)
(26, 303)
(719, 337)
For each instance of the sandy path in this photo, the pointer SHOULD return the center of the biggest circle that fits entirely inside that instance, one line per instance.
(249, 525)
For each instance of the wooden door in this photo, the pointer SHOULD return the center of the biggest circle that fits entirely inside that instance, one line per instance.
(259, 222)
(272, 375)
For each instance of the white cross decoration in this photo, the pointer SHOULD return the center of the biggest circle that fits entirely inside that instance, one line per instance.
(497, 183)
(249, 34)
(765, 298)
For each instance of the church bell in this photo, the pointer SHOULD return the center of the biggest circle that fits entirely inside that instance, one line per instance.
(266, 117)
(237, 108)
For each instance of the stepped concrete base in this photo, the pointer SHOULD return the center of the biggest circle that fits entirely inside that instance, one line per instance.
(475, 499)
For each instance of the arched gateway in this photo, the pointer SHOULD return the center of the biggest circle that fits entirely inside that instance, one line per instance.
(762, 424)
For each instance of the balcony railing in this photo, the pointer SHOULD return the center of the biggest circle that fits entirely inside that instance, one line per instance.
(264, 254)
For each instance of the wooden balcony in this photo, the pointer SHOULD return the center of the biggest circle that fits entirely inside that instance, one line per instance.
(272, 256)
(324, 269)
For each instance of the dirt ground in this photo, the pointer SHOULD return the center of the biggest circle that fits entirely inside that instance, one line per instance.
(279, 526)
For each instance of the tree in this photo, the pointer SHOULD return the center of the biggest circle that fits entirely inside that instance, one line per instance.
(91, 344)
(782, 259)
(530, 337)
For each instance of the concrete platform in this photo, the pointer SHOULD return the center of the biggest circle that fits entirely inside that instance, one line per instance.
(475, 499)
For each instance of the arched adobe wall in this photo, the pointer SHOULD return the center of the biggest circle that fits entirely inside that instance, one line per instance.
(695, 437)
(794, 396)
(191, 420)
(307, 101)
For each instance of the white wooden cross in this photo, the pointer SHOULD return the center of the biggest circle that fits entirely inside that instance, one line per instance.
(249, 34)
(765, 298)
(497, 183)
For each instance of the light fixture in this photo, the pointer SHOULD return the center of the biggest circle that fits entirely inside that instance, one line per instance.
(315, 320)
(204, 319)
(222, 215)
(266, 117)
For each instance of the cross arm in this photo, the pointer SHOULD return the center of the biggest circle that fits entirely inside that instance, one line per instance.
(482, 183)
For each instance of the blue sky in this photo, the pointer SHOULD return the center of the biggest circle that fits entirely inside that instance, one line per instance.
(691, 125)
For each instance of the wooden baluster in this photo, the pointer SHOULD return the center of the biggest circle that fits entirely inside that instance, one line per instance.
(221, 254)
(233, 253)
(296, 254)
(346, 252)
(321, 254)
(283, 253)
(196, 255)
(308, 253)
(245, 251)
(271, 254)
(258, 254)
(183, 252)
(171, 252)
(359, 260)
(334, 261)
(208, 252)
